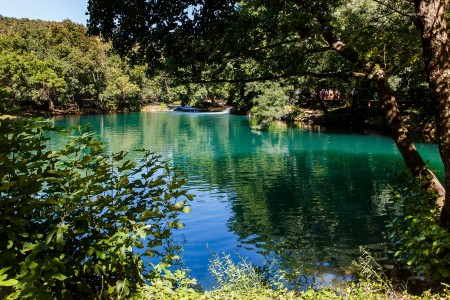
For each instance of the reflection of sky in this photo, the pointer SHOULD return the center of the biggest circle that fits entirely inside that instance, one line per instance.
(206, 233)
(316, 195)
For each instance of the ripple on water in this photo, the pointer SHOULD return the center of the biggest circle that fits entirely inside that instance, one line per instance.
(304, 200)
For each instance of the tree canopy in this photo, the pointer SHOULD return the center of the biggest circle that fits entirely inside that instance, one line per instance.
(256, 40)
(51, 65)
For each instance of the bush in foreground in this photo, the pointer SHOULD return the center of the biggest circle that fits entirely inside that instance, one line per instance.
(77, 223)
(420, 242)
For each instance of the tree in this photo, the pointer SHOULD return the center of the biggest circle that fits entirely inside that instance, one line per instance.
(431, 15)
(50, 65)
(256, 40)
(119, 86)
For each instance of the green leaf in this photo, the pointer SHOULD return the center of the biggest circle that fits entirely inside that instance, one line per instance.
(122, 287)
(9, 282)
(7, 185)
(179, 205)
(60, 277)
(49, 237)
(100, 254)
(2, 271)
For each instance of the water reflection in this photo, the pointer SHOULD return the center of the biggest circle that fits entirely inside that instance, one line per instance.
(306, 199)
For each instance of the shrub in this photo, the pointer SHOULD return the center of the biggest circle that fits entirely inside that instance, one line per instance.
(270, 103)
(78, 222)
(243, 280)
(419, 240)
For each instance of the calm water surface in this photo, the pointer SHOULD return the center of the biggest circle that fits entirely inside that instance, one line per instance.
(297, 198)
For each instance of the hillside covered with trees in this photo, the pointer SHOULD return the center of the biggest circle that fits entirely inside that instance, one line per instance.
(51, 66)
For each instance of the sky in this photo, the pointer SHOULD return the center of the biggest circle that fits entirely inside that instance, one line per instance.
(47, 10)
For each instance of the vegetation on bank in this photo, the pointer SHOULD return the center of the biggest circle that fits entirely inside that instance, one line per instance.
(242, 281)
(54, 68)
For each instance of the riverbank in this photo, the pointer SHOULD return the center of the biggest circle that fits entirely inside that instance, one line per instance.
(73, 109)
(243, 281)
(155, 107)
(366, 120)
(166, 107)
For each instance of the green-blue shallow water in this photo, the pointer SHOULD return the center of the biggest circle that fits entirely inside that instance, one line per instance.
(301, 198)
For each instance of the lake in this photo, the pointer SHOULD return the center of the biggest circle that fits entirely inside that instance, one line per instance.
(295, 199)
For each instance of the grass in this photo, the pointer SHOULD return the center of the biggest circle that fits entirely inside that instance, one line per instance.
(244, 281)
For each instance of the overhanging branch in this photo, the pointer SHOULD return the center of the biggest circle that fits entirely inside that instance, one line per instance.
(283, 75)
(289, 55)
(267, 47)
(388, 6)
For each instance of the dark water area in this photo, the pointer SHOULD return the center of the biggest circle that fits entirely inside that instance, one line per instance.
(292, 197)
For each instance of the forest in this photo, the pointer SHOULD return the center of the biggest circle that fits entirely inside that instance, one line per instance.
(79, 221)
(51, 66)
(56, 68)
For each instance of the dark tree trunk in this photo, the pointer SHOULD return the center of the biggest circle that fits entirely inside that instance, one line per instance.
(165, 84)
(51, 105)
(436, 51)
(403, 140)
(400, 134)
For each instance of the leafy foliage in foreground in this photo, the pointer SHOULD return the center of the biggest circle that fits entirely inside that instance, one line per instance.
(420, 241)
(244, 281)
(78, 222)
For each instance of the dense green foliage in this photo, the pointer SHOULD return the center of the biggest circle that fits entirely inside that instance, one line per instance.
(419, 241)
(52, 65)
(271, 102)
(239, 41)
(334, 44)
(78, 222)
(56, 66)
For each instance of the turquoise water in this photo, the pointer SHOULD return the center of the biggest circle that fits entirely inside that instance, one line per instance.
(297, 198)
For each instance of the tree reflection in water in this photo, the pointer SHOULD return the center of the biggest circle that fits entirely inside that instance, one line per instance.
(306, 200)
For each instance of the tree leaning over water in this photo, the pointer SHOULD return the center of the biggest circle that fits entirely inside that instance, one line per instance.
(258, 40)
(436, 51)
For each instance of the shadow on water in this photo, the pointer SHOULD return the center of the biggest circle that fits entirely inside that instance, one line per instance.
(302, 200)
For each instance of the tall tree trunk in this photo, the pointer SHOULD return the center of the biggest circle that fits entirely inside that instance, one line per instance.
(403, 140)
(436, 51)
(165, 84)
(400, 134)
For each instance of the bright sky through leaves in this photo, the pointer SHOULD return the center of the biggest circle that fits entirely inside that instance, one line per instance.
(48, 10)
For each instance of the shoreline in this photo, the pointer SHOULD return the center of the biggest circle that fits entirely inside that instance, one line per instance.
(359, 120)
